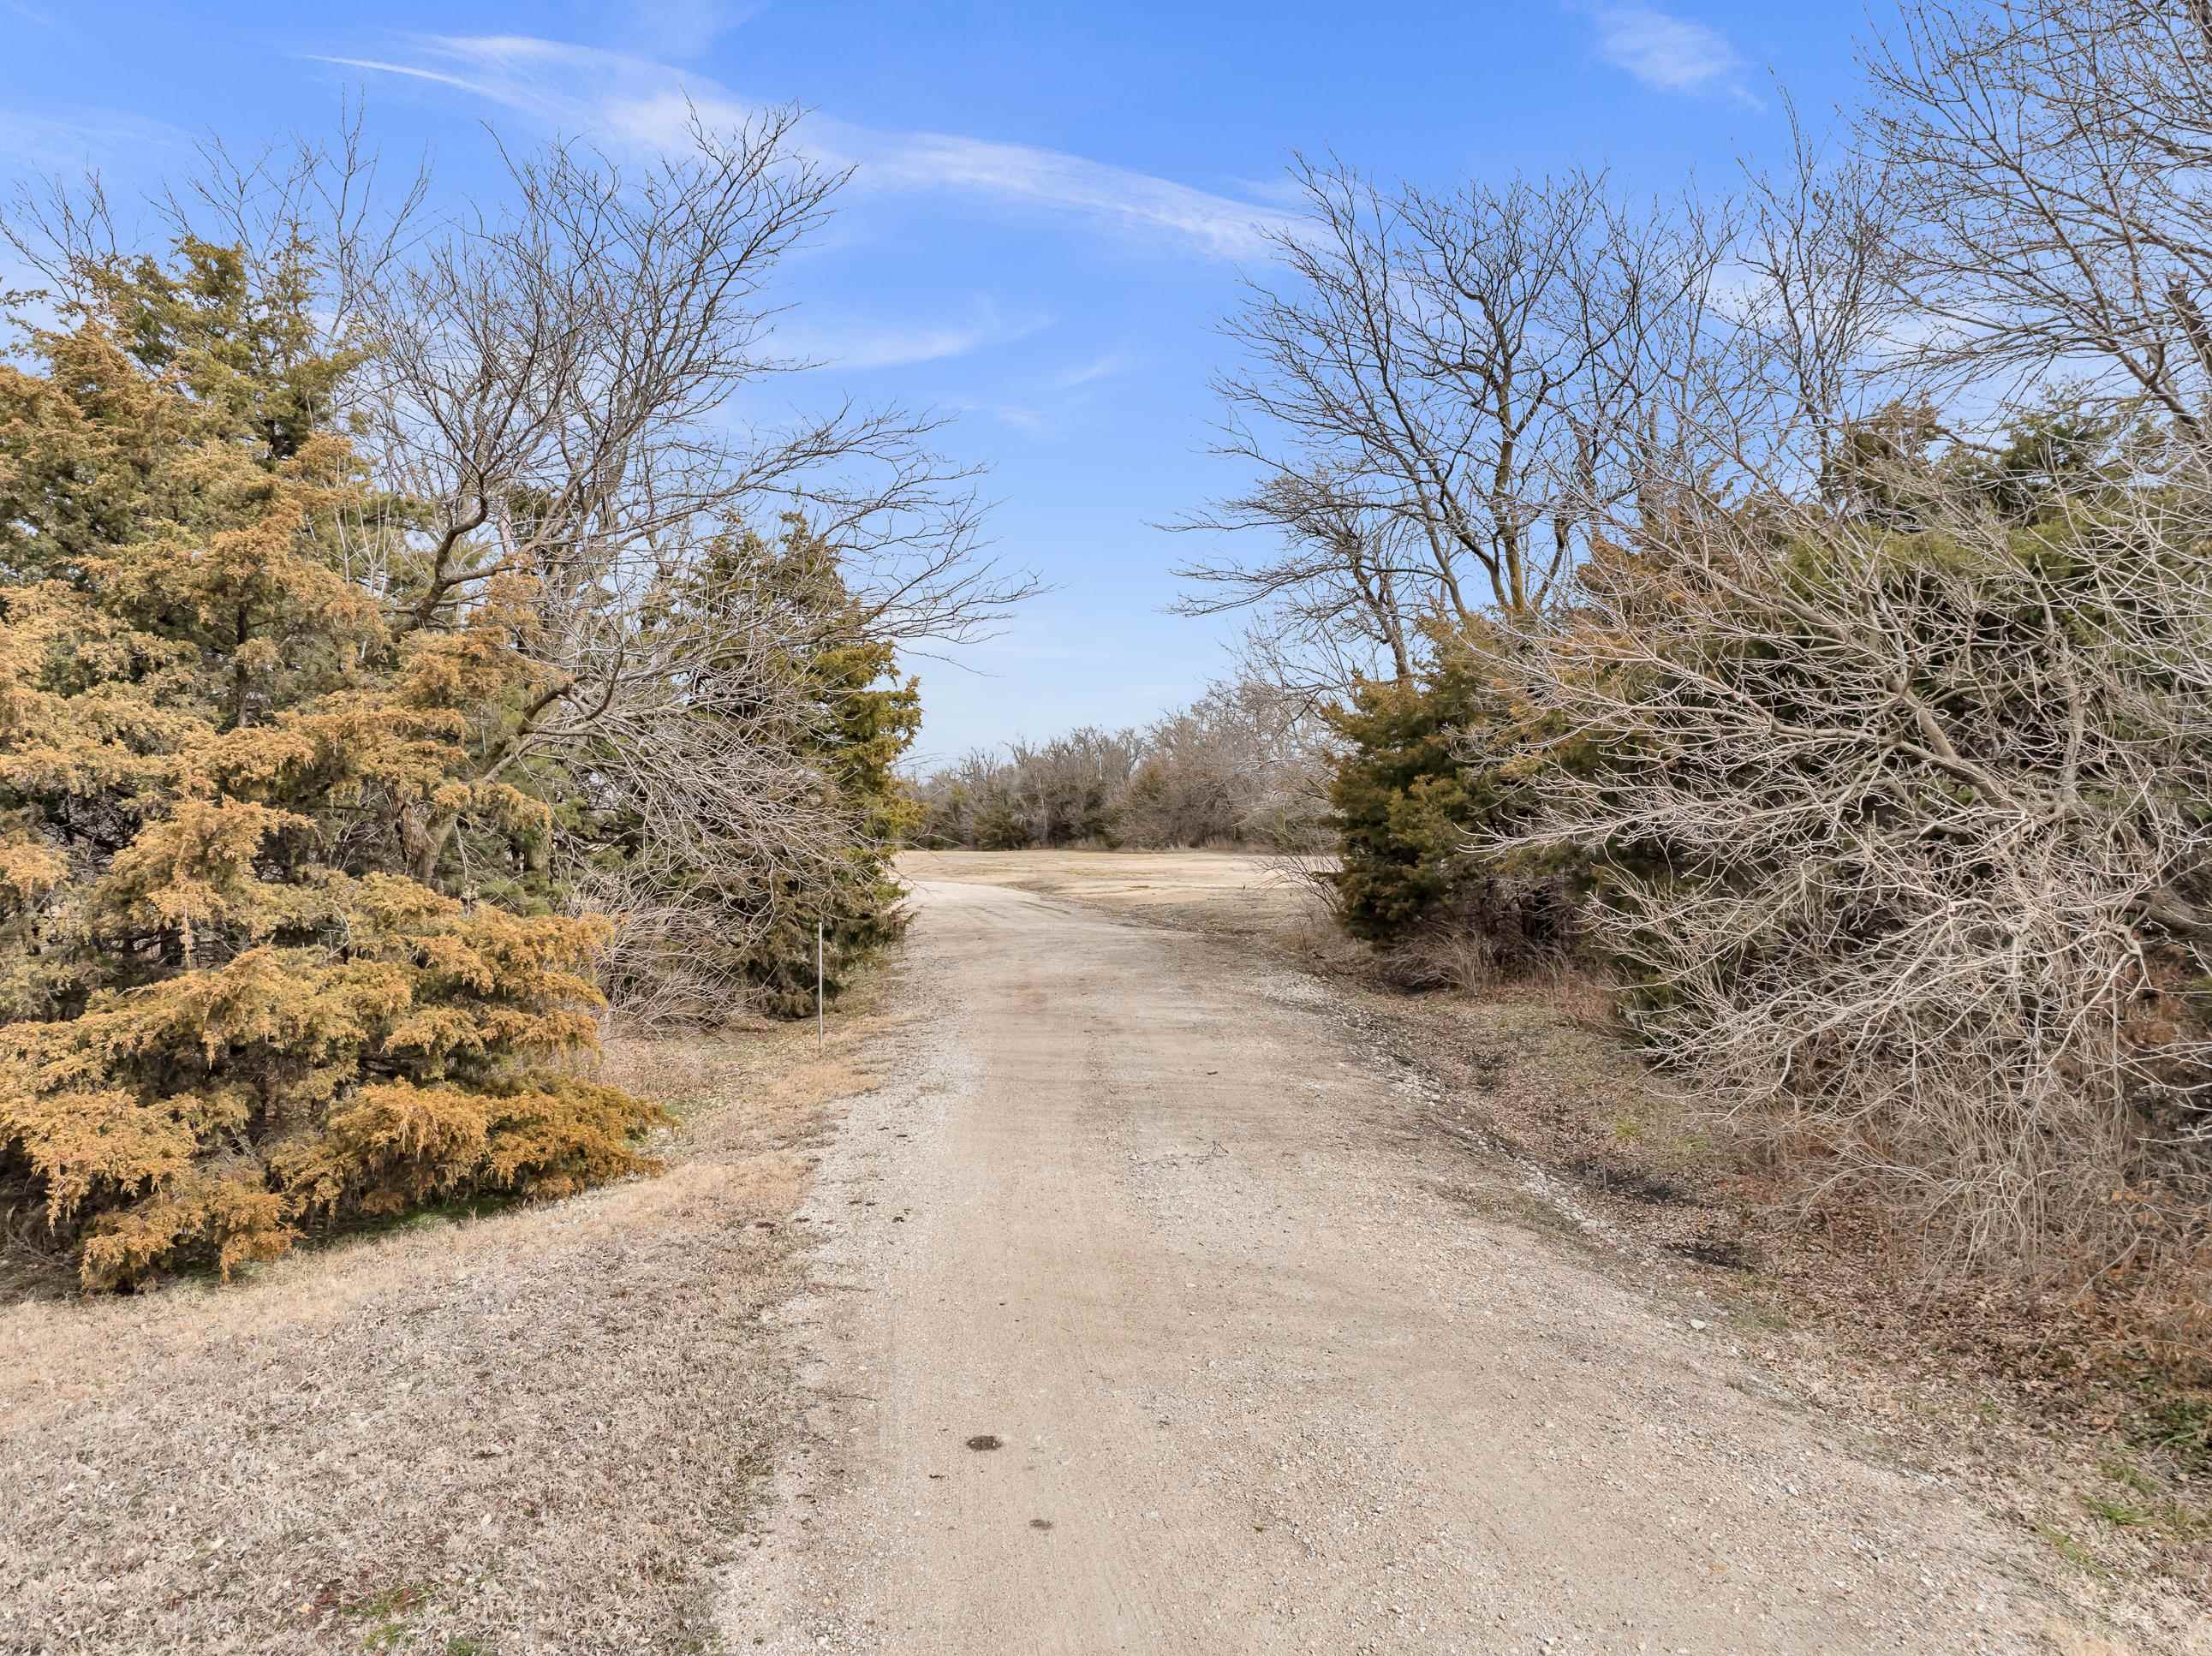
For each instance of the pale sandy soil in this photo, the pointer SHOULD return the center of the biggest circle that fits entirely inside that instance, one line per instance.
(1173, 1327)
(1217, 890)
(1534, 1080)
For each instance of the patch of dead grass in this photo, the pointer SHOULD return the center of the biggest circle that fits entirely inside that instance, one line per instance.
(539, 1428)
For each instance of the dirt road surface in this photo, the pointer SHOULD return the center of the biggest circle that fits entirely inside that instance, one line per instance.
(1151, 1321)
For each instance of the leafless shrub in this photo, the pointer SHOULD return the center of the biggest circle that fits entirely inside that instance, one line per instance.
(1915, 840)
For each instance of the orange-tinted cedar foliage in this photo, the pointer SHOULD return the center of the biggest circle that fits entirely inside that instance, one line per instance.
(230, 1004)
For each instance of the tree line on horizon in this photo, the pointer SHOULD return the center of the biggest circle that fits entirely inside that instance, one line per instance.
(1243, 766)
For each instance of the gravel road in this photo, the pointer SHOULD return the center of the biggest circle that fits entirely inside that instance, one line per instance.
(1149, 1319)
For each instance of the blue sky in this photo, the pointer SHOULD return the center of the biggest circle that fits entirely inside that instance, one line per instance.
(1052, 209)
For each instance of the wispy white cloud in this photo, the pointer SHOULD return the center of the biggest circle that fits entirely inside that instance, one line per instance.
(1281, 191)
(846, 342)
(80, 137)
(412, 72)
(633, 101)
(1024, 418)
(680, 28)
(1669, 53)
(1053, 178)
(1099, 368)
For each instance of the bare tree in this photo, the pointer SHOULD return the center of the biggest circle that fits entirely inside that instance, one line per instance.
(558, 385)
(559, 379)
(2052, 156)
(1446, 397)
(1409, 364)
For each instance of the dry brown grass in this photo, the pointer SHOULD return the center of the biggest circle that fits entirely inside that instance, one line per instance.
(538, 1429)
(2077, 1414)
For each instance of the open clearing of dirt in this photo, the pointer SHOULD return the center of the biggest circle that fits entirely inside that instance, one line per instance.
(1212, 890)
(1530, 1087)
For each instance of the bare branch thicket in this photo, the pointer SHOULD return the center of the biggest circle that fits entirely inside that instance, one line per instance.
(1244, 764)
(1911, 842)
(2052, 157)
(1057, 792)
(1061, 792)
(1901, 804)
(723, 814)
(562, 385)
